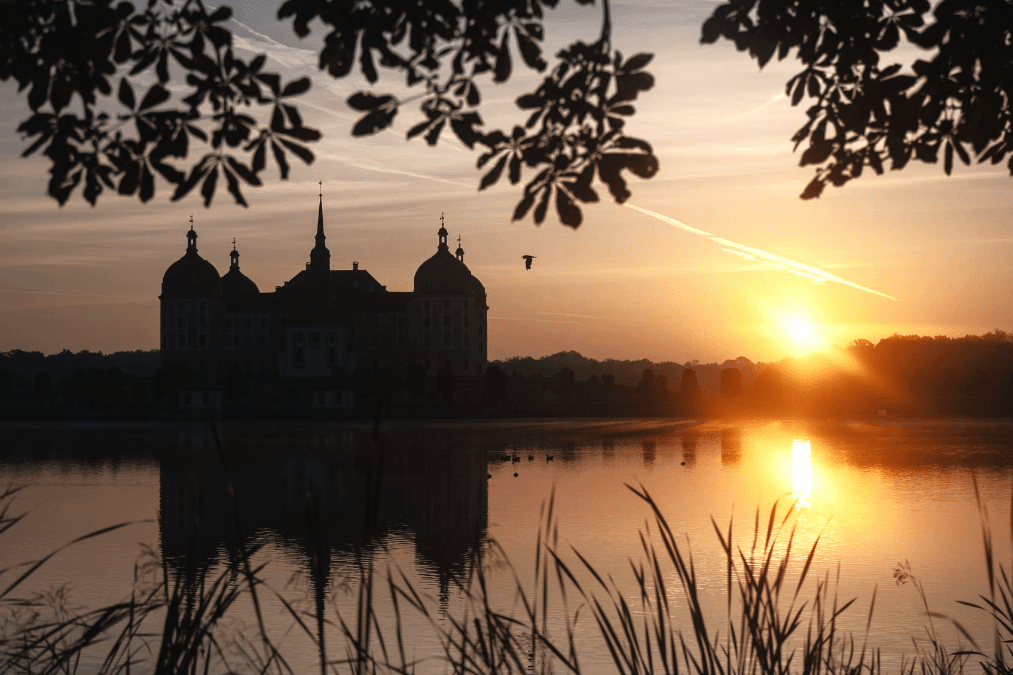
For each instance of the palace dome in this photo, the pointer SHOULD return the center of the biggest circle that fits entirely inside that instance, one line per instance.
(234, 282)
(191, 276)
(444, 274)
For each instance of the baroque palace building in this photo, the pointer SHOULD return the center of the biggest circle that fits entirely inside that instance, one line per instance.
(323, 323)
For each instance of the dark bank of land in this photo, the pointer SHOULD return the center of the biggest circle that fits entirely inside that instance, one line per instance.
(899, 375)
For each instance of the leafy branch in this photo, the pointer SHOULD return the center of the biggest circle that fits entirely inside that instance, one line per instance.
(574, 130)
(68, 54)
(957, 100)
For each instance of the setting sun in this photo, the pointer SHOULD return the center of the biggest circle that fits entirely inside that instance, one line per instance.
(800, 330)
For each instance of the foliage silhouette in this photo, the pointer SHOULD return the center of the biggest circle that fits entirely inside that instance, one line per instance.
(870, 113)
(68, 55)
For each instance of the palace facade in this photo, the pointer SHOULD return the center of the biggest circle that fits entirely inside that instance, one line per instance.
(323, 323)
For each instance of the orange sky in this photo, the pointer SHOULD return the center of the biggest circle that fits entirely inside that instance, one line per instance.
(627, 284)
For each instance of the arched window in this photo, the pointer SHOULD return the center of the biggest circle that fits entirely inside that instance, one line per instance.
(332, 349)
(298, 355)
(315, 340)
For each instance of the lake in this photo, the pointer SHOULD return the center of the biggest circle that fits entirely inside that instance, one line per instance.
(424, 502)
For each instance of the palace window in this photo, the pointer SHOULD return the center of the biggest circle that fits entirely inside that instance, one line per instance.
(298, 355)
(332, 349)
(316, 340)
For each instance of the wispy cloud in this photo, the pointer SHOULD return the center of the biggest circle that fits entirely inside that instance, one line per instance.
(579, 316)
(814, 274)
(528, 318)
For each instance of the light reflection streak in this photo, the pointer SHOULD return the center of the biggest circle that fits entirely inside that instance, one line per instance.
(801, 473)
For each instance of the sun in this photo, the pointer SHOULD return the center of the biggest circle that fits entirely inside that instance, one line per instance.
(800, 330)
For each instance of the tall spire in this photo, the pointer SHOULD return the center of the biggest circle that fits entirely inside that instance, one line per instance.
(234, 256)
(320, 257)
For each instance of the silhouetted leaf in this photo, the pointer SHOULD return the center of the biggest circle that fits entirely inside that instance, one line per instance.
(503, 59)
(272, 80)
(464, 128)
(582, 191)
(419, 128)
(196, 173)
(524, 205)
(569, 212)
(530, 51)
(434, 133)
(243, 172)
(813, 189)
(260, 157)
(515, 169)
(155, 96)
(494, 174)
(147, 184)
(636, 62)
(366, 62)
(817, 152)
(710, 31)
(208, 189)
(374, 121)
(126, 93)
(234, 187)
(296, 87)
(543, 204)
(363, 100)
(303, 153)
(279, 156)
(130, 180)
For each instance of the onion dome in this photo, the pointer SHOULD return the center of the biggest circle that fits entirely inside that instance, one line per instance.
(477, 289)
(443, 274)
(191, 276)
(234, 282)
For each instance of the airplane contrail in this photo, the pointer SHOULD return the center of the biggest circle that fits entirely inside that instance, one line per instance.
(810, 272)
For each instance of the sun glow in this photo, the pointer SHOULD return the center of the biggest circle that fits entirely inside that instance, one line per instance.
(800, 330)
(801, 472)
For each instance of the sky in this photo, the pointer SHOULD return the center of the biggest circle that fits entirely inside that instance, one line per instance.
(714, 258)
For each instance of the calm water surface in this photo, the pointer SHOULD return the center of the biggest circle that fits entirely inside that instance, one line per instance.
(875, 493)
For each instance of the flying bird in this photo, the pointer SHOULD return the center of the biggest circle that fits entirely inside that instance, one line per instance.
(527, 261)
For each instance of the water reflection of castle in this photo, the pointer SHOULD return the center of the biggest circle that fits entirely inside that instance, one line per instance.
(432, 487)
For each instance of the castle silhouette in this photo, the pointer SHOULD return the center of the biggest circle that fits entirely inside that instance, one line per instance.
(317, 328)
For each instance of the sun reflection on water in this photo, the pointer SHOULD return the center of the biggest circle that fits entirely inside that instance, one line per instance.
(801, 472)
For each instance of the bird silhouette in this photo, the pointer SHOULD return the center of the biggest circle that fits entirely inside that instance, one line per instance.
(527, 261)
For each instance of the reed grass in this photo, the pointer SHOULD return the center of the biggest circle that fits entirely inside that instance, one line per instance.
(779, 616)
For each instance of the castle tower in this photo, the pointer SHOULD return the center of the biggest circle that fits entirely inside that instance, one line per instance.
(191, 313)
(320, 257)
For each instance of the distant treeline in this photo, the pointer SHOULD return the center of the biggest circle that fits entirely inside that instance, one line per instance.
(905, 374)
(626, 373)
(60, 366)
(901, 374)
